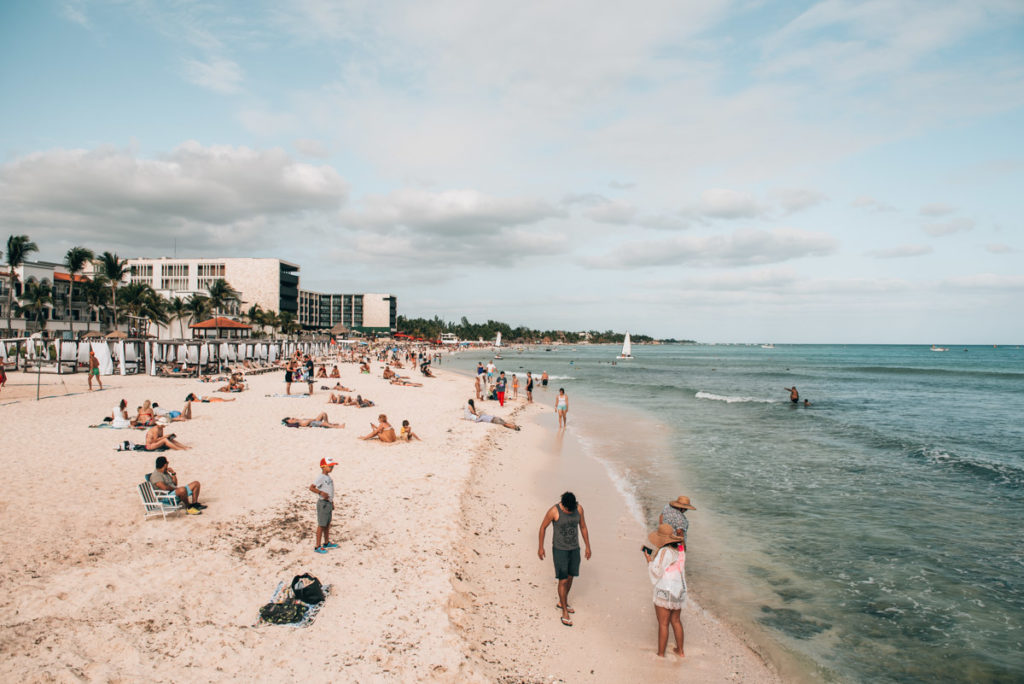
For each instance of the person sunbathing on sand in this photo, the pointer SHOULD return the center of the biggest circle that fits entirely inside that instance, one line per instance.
(321, 372)
(340, 388)
(382, 431)
(320, 421)
(155, 439)
(362, 403)
(388, 373)
(364, 367)
(404, 382)
(472, 414)
(339, 399)
(335, 373)
(145, 416)
(206, 400)
(174, 416)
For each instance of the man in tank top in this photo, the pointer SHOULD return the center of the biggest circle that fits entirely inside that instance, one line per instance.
(565, 518)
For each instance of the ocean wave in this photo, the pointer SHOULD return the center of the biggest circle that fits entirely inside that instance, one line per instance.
(903, 370)
(734, 400)
(1001, 473)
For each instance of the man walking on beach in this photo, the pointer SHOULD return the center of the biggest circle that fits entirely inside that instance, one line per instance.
(565, 518)
(94, 369)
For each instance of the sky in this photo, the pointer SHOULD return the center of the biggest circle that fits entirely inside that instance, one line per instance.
(723, 171)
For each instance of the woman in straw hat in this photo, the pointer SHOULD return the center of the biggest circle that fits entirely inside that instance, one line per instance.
(667, 569)
(674, 514)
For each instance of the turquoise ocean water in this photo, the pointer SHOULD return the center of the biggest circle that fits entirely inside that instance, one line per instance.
(877, 535)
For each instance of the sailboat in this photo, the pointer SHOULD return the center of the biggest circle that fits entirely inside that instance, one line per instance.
(497, 346)
(627, 348)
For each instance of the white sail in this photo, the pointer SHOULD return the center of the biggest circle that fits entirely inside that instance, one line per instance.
(497, 341)
(627, 347)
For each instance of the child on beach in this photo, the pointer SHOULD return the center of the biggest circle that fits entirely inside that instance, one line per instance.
(407, 434)
(323, 487)
(515, 386)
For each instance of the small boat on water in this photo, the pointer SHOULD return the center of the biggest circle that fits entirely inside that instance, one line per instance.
(934, 348)
(627, 348)
(767, 346)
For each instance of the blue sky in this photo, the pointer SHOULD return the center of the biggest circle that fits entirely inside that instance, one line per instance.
(722, 171)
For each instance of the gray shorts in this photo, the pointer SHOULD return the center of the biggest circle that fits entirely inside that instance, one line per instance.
(324, 511)
(567, 563)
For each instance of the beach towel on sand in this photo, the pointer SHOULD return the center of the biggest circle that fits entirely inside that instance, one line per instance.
(283, 595)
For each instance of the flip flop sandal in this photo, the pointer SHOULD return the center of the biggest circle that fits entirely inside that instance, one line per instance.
(570, 610)
(567, 622)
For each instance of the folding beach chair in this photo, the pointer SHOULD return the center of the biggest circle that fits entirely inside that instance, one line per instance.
(158, 502)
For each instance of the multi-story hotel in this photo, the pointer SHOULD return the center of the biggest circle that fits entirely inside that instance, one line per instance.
(367, 313)
(271, 283)
(274, 285)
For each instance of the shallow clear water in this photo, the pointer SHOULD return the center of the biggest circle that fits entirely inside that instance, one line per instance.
(876, 533)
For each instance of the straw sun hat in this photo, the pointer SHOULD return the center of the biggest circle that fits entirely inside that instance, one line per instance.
(682, 502)
(665, 534)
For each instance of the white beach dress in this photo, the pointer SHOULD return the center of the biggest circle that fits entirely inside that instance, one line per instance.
(668, 575)
(119, 420)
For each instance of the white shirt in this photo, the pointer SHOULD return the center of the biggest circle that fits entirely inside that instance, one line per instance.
(326, 485)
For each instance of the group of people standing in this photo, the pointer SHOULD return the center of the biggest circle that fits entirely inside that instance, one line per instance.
(493, 384)
(665, 558)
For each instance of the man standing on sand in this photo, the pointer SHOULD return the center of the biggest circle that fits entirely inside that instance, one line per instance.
(490, 373)
(529, 387)
(500, 388)
(309, 373)
(544, 379)
(565, 517)
(323, 487)
(794, 396)
(94, 369)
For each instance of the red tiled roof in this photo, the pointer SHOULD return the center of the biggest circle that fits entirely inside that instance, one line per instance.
(220, 322)
(67, 278)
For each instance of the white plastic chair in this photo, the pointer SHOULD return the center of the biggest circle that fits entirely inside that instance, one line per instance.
(156, 502)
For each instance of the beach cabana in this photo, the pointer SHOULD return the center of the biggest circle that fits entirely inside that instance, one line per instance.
(219, 326)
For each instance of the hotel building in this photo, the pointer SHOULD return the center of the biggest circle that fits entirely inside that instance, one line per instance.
(271, 283)
(373, 313)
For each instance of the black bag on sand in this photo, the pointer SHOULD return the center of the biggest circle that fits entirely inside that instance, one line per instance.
(283, 613)
(307, 589)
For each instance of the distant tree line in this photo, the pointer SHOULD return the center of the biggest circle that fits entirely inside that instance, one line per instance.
(431, 328)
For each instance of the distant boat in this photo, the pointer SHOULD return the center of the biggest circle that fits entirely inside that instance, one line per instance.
(767, 346)
(627, 348)
(934, 348)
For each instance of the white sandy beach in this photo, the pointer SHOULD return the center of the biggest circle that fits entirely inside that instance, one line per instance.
(436, 577)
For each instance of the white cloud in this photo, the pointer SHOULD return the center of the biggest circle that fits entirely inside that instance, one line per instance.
(792, 200)
(937, 209)
(986, 281)
(267, 124)
(311, 148)
(73, 11)
(900, 252)
(613, 212)
(451, 212)
(741, 248)
(621, 185)
(218, 75)
(727, 204)
(218, 195)
(999, 248)
(950, 227)
(872, 204)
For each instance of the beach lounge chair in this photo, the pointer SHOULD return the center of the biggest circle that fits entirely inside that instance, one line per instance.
(158, 503)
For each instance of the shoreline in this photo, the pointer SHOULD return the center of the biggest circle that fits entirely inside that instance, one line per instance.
(614, 632)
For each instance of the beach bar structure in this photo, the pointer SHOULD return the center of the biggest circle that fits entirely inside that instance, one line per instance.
(219, 327)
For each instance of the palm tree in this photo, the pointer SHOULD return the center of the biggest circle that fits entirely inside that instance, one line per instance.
(221, 294)
(255, 316)
(273, 320)
(197, 306)
(115, 269)
(177, 308)
(95, 294)
(286, 320)
(36, 299)
(75, 261)
(141, 302)
(18, 247)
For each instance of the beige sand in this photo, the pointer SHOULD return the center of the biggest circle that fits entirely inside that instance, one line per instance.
(436, 577)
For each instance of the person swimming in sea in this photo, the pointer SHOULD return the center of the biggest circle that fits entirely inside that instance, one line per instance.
(794, 396)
